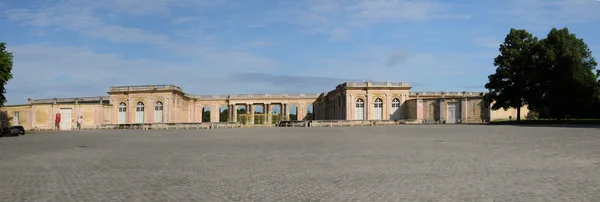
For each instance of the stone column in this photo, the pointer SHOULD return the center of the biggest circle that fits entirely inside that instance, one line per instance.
(251, 110)
(287, 111)
(234, 113)
(229, 113)
(267, 111)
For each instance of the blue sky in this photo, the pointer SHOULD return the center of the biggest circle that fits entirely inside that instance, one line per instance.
(71, 48)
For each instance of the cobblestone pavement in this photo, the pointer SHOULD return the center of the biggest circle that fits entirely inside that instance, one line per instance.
(387, 163)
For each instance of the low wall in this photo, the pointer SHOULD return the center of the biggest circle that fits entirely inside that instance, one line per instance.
(205, 125)
(349, 123)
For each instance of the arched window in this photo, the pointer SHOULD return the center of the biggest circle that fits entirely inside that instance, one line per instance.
(139, 112)
(395, 114)
(122, 112)
(360, 109)
(378, 111)
(158, 112)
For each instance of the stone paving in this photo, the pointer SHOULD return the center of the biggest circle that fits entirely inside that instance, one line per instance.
(387, 163)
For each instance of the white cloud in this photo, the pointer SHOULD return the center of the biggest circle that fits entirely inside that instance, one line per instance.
(539, 13)
(487, 42)
(343, 17)
(259, 43)
(370, 11)
(181, 20)
(83, 21)
(440, 71)
(46, 71)
(339, 34)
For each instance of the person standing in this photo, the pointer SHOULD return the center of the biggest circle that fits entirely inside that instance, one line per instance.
(57, 121)
(79, 122)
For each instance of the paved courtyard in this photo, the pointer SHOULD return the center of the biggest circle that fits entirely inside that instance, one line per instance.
(387, 163)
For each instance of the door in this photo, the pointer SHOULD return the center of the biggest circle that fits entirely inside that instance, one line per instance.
(122, 113)
(395, 114)
(378, 109)
(360, 109)
(65, 118)
(453, 112)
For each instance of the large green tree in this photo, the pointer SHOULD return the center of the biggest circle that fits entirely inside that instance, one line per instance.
(565, 82)
(508, 86)
(6, 64)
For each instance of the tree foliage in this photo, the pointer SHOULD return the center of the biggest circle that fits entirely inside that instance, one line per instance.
(508, 85)
(555, 76)
(6, 64)
(567, 84)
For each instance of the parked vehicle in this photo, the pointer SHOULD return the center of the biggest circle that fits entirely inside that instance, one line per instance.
(12, 131)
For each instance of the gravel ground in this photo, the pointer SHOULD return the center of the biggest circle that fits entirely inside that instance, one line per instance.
(383, 163)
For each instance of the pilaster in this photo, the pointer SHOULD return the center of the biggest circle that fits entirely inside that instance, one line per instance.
(420, 115)
(442, 106)
(215, 112)
(464, 116)
(367, 107)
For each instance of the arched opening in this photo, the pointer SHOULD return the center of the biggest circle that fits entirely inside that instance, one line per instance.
(242, 114)
(259, 114)
(223, 114)
(395, 113)
(206, 114)
(293, 112)
(310, 115)
(360, 109)
(158, 112)
(122, 113)
(139, 112)
(275, 114)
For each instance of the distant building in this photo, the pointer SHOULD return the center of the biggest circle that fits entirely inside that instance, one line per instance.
(170, 104)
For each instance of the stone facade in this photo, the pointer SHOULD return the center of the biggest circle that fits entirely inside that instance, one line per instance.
(170, 104)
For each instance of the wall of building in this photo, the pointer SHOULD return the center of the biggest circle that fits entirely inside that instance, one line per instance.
(42, 116)
(369, 97)
(502, 114)
(338, 104)
(411, 109)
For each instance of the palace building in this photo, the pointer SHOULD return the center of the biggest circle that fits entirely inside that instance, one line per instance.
(170, 104)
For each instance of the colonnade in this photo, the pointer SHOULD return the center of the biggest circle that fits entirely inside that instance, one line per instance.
(284, 110)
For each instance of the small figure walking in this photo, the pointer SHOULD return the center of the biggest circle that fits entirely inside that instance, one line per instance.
(79, 122)
(57, 121)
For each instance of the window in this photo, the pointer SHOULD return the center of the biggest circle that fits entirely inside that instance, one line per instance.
(122, 113)
(158, 112)
(395, 114)
(16, 118)
(378, 112)
(139, 112)
(360, 109)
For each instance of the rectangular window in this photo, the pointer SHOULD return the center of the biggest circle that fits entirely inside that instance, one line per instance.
(16, 118)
